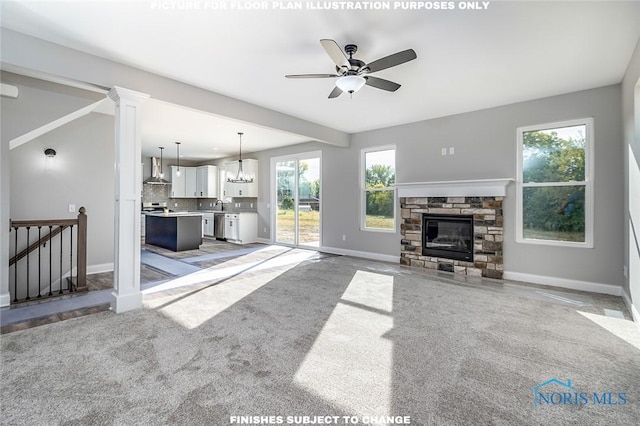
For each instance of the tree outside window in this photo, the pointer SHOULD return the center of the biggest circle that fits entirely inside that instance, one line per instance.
(379, 179)
(554, 185)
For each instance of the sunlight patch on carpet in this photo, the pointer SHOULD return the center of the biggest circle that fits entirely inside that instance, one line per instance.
(622, 328)
(234, 283)
(350, 363)
(221, 271)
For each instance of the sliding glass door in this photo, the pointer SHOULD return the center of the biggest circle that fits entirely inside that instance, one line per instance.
(296, 180)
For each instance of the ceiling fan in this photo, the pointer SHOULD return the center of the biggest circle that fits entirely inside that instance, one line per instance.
(353, 73)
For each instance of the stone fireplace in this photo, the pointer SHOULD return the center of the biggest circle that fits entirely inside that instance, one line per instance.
(460, 234)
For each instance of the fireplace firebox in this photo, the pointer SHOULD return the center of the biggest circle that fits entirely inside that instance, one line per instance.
(448, 236)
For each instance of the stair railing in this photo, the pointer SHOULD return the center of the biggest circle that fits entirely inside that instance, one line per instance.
(48, 253)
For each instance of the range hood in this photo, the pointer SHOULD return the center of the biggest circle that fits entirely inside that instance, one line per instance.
(155, 178)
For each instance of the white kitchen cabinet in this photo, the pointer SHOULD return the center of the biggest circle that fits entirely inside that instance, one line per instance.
(250, 169)
(178, 186)
(183, 186)
(241, 228)
(207, 224)
(190, 182)
(207, 182)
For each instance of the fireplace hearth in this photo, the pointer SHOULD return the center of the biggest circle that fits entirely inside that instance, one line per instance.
(448, 236)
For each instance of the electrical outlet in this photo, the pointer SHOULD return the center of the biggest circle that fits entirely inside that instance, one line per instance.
(624, 271)
(251, 205)
(264, 230)
(210, 204)
(200, 204)
(444, 151)
(344, 237)
(72, 208)
(175, 204)
(452, 150)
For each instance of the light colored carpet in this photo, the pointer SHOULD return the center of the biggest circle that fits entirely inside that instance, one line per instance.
(296, 334)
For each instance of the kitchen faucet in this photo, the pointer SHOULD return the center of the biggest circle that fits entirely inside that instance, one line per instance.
(221, 202)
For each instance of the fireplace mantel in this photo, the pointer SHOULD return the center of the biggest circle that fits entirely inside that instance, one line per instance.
(455, 188)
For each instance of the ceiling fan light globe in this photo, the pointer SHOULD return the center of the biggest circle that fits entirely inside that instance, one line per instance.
(350, 83)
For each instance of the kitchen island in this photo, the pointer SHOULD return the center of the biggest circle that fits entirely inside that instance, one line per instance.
(174, 231)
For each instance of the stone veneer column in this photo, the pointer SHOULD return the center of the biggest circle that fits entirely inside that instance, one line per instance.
(126, 272)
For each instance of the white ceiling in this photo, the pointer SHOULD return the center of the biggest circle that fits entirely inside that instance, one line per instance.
(467, 59)
(203, 136)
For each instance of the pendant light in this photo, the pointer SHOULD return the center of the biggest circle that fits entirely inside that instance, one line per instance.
(178, 149)
(240, 177)
(161, 169)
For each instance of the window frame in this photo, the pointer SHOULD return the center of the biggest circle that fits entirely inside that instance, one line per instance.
(587, 183)
(364, 189)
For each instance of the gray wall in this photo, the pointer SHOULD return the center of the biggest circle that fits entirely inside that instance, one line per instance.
(38, 103)
(485, 148)
(82, 174)
(631, 118)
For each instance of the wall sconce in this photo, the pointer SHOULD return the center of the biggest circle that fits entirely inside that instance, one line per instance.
(49, 159)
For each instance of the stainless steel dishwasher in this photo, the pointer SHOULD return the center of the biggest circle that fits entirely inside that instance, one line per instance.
(218, 225)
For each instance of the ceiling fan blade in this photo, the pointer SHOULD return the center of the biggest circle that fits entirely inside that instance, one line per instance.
(381, 83)
(392, 60)
(311, 75)
(335, 92)
(335, 52)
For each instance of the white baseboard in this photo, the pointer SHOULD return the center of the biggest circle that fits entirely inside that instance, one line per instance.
(97, 269)
(613, 290)
(346, 252)
(630, 306)
(362, 254)
(636, 315)
(5, 300)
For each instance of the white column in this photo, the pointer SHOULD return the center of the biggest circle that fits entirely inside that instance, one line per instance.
(5, 298)
(126, 272)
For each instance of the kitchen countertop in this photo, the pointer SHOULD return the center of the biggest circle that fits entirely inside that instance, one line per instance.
(224, 212)
(173, 214)
(194, 212)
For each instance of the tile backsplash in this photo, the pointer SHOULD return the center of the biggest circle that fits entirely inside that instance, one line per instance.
(160, 193)
(155, 193)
